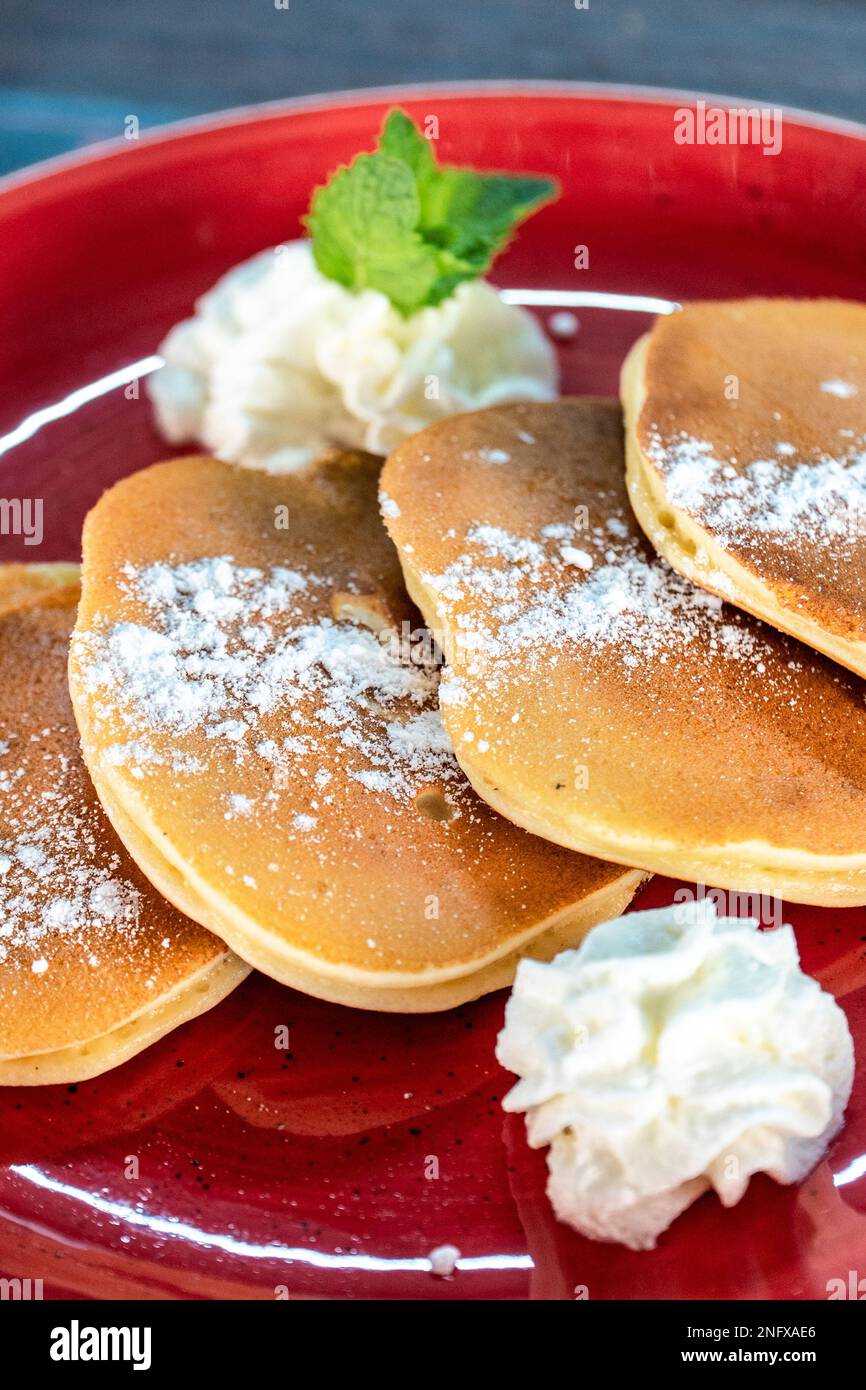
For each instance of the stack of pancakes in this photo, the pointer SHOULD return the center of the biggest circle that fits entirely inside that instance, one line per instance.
(382, 765)
(600, 698)
(258, 707)
(94, 965)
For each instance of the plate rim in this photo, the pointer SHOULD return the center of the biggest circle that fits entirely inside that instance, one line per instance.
(249, 113)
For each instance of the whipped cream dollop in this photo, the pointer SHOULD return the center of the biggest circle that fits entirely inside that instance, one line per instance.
(280, 363)
(673, 1051)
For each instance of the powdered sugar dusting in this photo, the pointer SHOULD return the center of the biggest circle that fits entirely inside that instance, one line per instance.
(781, 496)
(56, 879)
(534, 598)
(844, 390)
(227, 652)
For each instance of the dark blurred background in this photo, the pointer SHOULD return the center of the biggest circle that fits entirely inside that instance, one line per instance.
(71, 70)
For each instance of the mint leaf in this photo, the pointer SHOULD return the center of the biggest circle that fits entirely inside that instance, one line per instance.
(363, 225)
(402, 140)
(398, 222)
(472, 216)
(476, 213)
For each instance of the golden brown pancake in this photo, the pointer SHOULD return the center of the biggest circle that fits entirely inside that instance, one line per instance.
(23, 583)
(746, 450)
(598, 698)
(94, 966)
(258, 707)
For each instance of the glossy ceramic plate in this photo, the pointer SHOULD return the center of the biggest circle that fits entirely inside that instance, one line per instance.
(215, 1165)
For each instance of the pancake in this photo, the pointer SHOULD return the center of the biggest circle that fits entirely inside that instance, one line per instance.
(22, 583)
(257, 702)
(93, 965)
(596, 697)
(746, 451)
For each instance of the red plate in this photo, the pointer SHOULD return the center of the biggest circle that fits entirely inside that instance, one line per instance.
(333, 1170)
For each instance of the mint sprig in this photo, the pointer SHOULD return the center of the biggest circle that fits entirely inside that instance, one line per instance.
(397, 221)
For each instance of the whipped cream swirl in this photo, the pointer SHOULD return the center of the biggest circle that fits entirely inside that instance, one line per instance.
(280, 364)
(674, 1051)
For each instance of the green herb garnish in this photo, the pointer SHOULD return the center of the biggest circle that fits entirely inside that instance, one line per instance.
(398, 222)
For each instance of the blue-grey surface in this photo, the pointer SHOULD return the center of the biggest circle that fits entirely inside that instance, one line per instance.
(71, 70)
